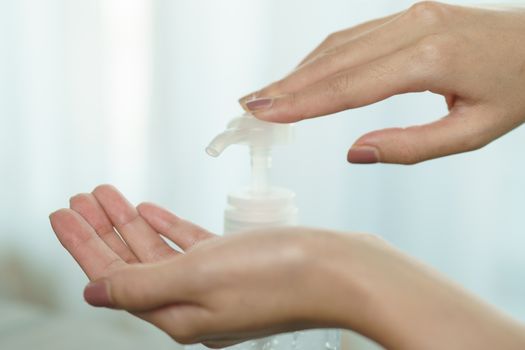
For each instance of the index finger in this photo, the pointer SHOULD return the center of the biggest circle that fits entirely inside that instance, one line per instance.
(401, 72)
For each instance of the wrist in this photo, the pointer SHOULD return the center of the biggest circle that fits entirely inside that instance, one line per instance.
(341, 283)
(403, 304)
(357, 288)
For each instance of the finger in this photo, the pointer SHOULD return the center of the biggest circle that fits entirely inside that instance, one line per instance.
(144, 287)
(159, 294)
(183, 233)
(342, 37)
(384, 39)
(82, 242)
(88, 207)
(407, 70)
(459, 132)
(140, 237)
(333, 40)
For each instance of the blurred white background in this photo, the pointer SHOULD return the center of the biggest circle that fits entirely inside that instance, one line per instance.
(129, 93)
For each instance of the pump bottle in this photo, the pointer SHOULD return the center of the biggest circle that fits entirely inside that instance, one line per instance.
(261, 205)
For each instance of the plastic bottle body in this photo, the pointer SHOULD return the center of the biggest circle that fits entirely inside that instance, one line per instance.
(247, 211)
(260, 206)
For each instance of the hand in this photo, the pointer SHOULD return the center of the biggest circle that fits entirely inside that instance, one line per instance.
(225, 290)
(211, 294)
(109, 238)
(104, 233)
(474, 57)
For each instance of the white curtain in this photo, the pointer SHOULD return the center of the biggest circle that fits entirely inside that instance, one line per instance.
(129, 92)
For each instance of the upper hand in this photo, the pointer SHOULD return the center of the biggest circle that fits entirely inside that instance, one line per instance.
(474, 57)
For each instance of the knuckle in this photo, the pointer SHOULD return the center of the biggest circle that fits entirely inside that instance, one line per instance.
(333, 38)
(428, 13)
(430, 49)
(434, 53)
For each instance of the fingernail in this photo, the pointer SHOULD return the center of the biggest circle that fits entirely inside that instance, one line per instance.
(363, 155)
(245, 98)
(97, 294)
(259, 104)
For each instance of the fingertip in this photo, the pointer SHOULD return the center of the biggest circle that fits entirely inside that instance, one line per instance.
(117, 208)
(104, 189)
(282, 109)
(242, 101)
(146, 208)
(56, 215)
(259, 104)
(97, 294)
(68, 226)
(363, 155)
(60, 213)
(157, 216)
(143, 206)
(78, 199)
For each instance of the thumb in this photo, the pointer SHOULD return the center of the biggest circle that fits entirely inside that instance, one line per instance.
(456, 133)
(139, 288)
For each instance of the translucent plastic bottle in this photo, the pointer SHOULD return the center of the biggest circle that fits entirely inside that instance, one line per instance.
(262, 205)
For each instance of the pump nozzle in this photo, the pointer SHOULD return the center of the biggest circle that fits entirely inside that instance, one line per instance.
(250, 131)
(260, 136)
(223, 140)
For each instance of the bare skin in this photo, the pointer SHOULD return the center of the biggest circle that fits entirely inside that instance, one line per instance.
(222, 291)
(474, 57)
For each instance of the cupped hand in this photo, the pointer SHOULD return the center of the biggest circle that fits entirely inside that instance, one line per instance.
(474, 57)
(218, 291)
(105, 233)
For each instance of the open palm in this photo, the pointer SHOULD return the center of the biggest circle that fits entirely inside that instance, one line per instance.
(105, 233)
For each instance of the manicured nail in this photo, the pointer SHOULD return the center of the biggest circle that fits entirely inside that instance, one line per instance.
(248, 97)
(97, 294)
(259, 104)
(363, 155)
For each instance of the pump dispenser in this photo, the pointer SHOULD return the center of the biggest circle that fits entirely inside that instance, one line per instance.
(259, 205)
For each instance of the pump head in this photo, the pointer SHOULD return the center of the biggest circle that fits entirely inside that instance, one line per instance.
(260, 136)
(259, 205)
(248, 130)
